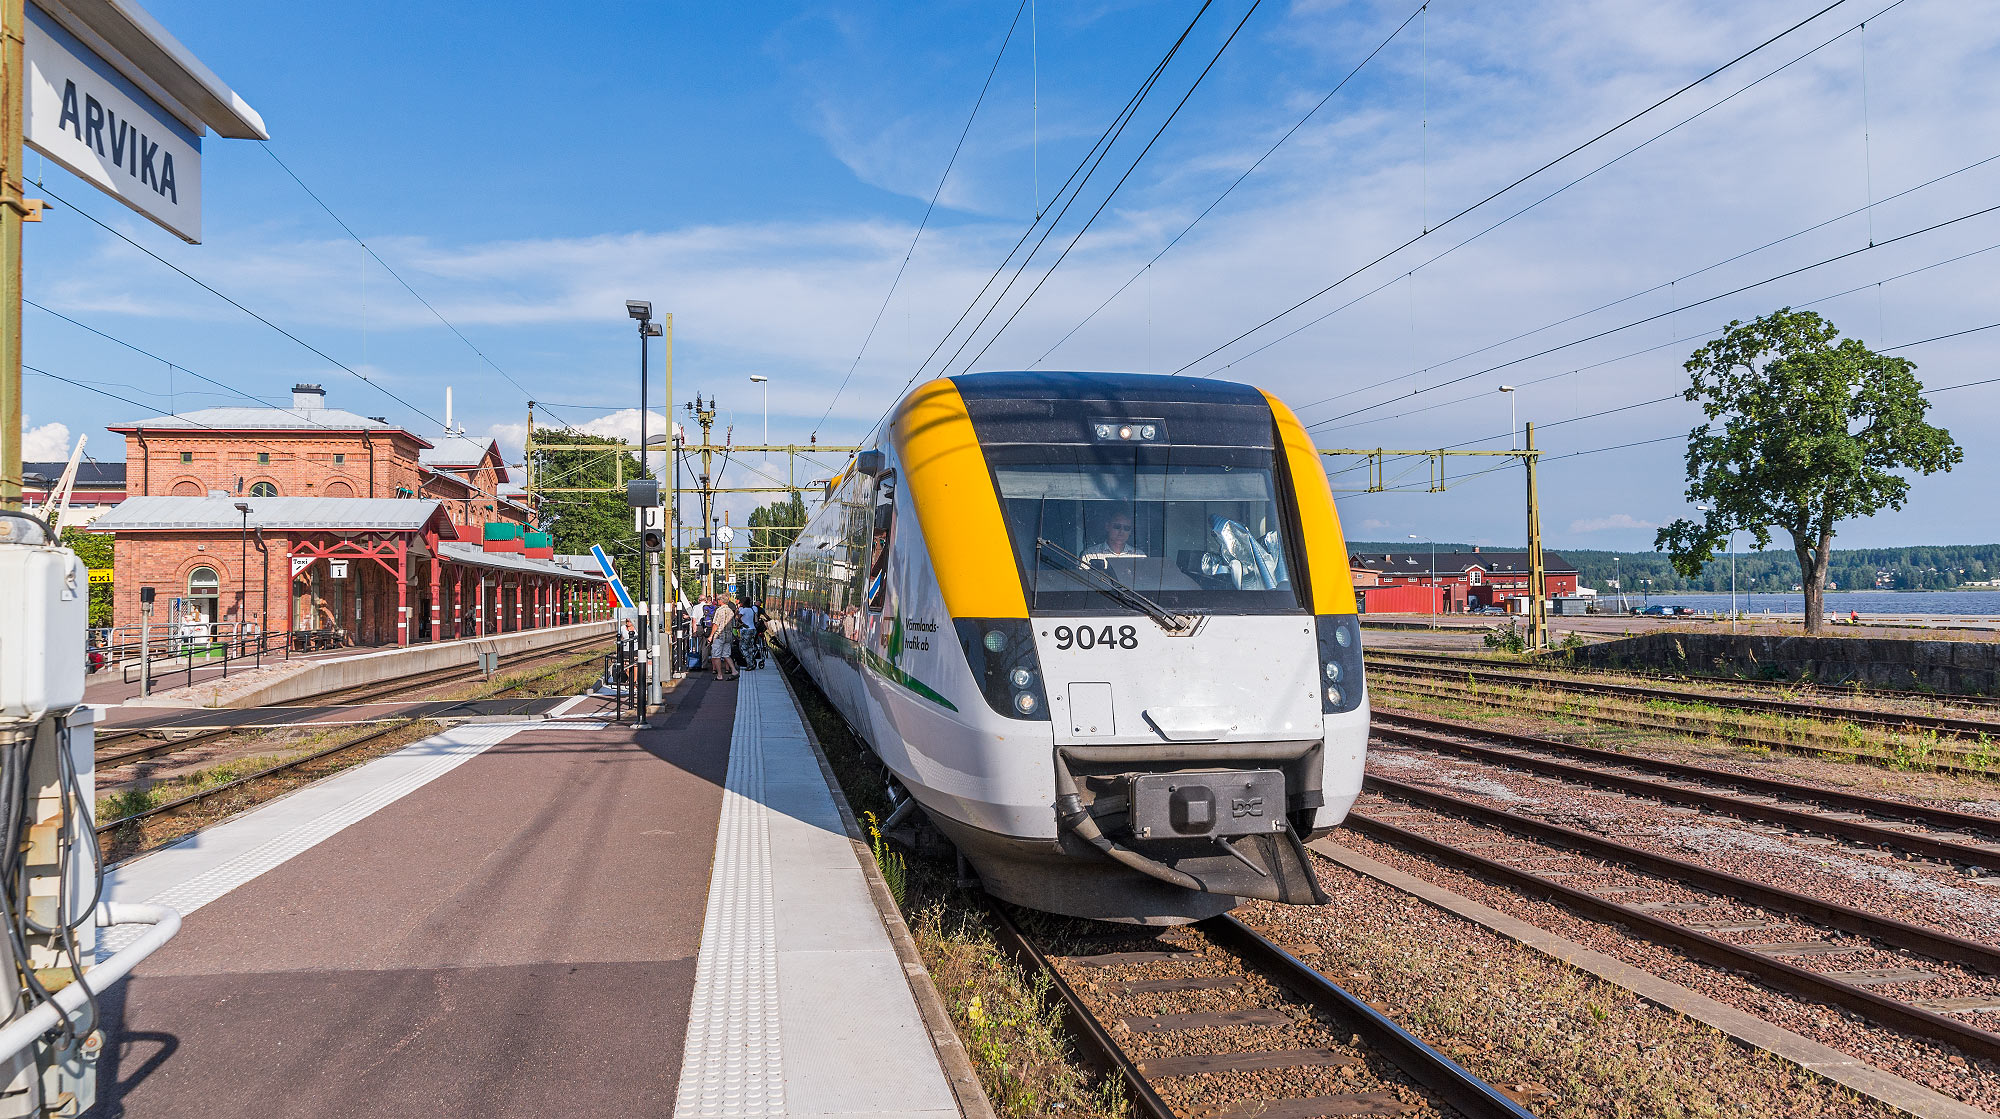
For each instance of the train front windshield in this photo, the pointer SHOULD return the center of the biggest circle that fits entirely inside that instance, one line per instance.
(1199, 530)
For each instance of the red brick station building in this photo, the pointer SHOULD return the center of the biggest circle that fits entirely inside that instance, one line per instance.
(311, 518)
(1449, 582)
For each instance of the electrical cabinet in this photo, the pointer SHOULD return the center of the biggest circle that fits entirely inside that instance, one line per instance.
(44, 620)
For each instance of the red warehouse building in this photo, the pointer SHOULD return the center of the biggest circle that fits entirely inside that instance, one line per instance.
(1461, 580)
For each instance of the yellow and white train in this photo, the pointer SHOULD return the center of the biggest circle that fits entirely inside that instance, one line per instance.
(1101, 627)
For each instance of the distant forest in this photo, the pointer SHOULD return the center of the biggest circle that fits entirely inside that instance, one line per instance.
(1853, 569)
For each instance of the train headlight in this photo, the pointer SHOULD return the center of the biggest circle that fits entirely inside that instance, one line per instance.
(1001, 654)
(1340, 662)
(1135, 431)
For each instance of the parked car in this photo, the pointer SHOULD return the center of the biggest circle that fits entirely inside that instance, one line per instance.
(1658, 611)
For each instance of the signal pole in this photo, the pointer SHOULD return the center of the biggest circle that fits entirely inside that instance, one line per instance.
(704, 414)
(1538, 621)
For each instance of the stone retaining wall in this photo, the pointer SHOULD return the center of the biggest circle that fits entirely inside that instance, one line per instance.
(1882, 662)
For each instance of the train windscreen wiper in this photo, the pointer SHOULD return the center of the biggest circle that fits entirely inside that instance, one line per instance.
(1110, 585)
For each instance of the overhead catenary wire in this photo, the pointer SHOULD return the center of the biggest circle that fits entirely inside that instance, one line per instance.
(925, 222)
(1663, 314)
(1698, 336)
(212, 290)
(1663, 285)
(1106, 201)
(370, 250)
(1110, 134)
(1238, 181)
(1453, 218)
(1537, 203)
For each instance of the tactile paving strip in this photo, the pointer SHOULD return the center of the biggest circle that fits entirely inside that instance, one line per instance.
(446, 752)
(733, 1064)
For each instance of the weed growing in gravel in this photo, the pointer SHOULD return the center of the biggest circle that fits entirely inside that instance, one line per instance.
(1010, 1022)
(895, 872)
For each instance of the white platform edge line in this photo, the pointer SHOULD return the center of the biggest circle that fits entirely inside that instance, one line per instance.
(460, 744)
(733, 1062)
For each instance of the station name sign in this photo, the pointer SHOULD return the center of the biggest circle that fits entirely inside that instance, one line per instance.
(92, 120)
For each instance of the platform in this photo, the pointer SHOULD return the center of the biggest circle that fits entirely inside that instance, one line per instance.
(531, 919)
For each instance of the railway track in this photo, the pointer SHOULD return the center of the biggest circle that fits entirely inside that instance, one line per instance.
(1746, 683)
(1399, 664)
(1963, 838)
(162, 744)
(192, 800)
(1746, 908)
(1359, 1040)
(1828, 742)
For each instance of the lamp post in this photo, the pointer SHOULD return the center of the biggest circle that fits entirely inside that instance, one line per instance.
(242, 578)
(1618, 582)
(642, 311)
(1513, 444)
(1434, 575)
(760, 379)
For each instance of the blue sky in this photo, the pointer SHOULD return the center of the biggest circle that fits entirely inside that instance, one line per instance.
(760, 170)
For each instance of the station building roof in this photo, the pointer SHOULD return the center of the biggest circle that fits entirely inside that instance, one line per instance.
(472, 555)
(1455, 563)
(336, 514)
(266, 419)
(457, 450)
(88, 474)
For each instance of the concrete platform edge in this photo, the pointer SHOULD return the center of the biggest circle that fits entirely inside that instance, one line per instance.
(958, 1068)
(1823, 1061)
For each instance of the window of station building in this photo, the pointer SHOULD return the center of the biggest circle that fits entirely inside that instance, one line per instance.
(263, 489)
(203, 591)
(263, 458)
(187, 456)
(340, 460)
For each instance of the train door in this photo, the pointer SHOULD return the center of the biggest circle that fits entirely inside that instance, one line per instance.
(881, 535)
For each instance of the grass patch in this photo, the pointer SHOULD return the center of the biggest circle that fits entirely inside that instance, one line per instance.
(1009, 1021)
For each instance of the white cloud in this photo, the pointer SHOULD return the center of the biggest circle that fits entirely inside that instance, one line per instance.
(48, 443)
(1614, 521)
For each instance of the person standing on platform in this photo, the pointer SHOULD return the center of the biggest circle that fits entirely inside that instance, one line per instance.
(719, 636)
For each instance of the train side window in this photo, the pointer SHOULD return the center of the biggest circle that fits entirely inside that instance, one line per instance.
(880, 534)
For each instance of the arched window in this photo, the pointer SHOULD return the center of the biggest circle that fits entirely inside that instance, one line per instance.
(204, 592)
(263, 489)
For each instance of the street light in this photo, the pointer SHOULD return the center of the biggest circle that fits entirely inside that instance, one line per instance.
(1512, 443)
(1434, 575)
(242, 575)
(760, 379)
(642, 311)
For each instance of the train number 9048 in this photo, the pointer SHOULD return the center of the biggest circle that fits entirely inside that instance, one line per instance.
(1107, 637)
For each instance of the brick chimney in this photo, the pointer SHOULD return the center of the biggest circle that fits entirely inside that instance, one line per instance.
(308, 397)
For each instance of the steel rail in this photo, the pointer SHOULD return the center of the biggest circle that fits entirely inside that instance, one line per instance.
(1851, 691)
(1928, 846)
(209, 794)
(1854, 802)
(381, 687)
(1700, 946)
(1429, 1069)
(1825, 746)
(191, 799)
(1895, 720)
(1942, 946)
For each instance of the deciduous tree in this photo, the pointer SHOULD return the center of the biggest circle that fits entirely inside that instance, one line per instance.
(1805, 429)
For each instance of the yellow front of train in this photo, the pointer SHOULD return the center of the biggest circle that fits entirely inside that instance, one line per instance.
(1137, 674)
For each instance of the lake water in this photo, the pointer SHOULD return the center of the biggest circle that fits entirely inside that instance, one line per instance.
(1837, 602)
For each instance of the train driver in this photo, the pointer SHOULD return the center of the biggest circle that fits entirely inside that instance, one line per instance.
(1117, 542)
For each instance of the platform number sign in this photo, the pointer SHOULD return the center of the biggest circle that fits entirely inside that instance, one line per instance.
(339, 568)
